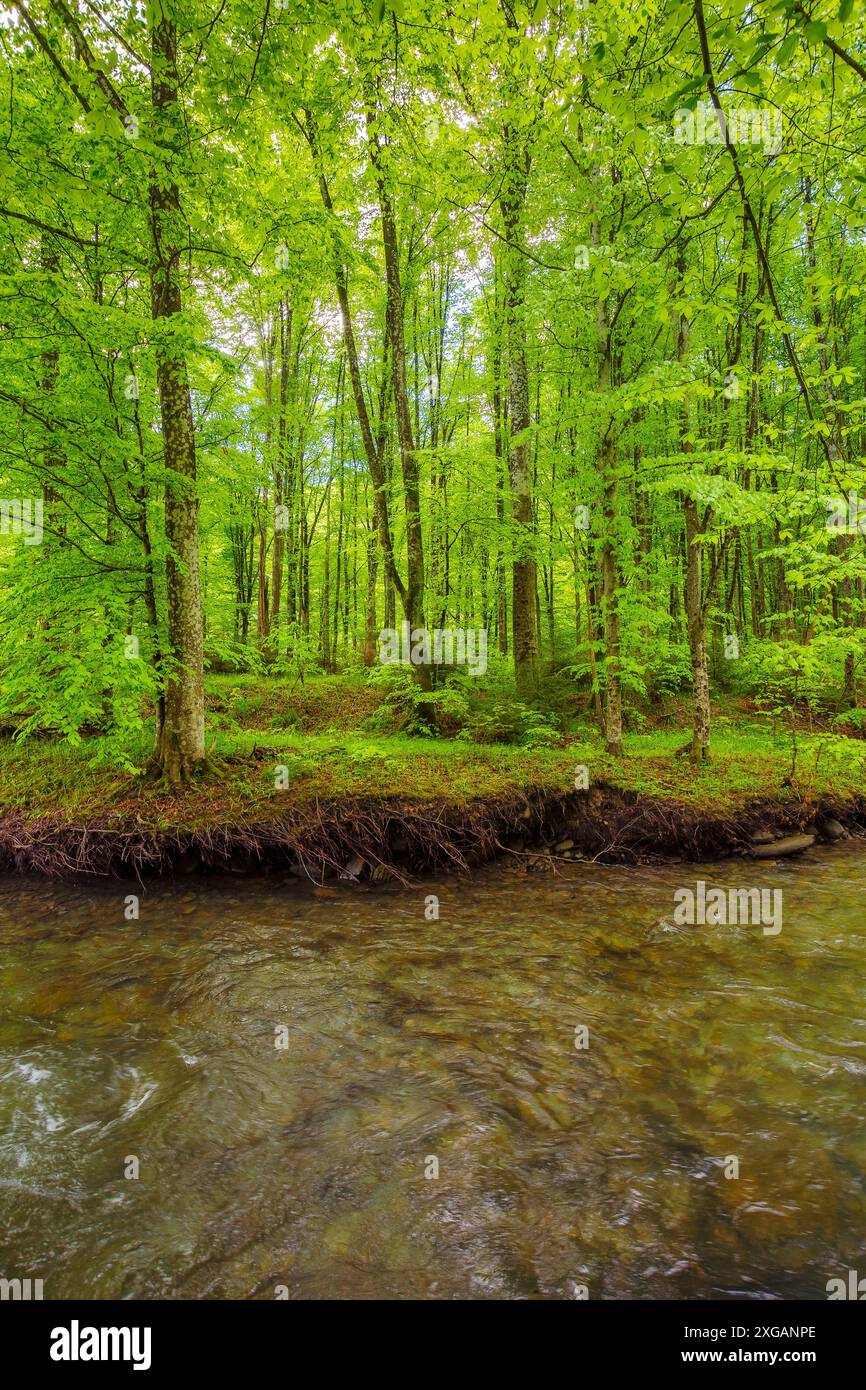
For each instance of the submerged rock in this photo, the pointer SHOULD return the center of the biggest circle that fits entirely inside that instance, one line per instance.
(779, 849)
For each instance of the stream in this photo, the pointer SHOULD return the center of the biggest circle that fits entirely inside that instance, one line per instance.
(257, 1090)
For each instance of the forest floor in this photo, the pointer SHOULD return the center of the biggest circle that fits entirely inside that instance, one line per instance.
(317, 775)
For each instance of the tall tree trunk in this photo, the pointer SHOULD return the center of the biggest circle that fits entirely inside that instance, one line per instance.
(608, 559)
(263, 591)
(180, 746)
(610, 579)
(370, 611)
(374, 449)
(414, 589)
(610, 582)
(524, 625)
(696, 614)
(325, 599)
(696, 622)
(281, 481)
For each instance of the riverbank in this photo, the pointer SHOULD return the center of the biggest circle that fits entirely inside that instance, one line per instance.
(374, 805)
(381, 838)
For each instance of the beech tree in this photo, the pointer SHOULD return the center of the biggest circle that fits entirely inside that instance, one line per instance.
(539, 318)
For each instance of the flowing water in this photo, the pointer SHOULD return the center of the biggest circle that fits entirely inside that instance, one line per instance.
(304, 1169)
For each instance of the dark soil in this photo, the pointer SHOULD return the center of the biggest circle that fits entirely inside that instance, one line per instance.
(376, 839)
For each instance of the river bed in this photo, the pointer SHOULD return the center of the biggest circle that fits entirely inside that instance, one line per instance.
(287, 1071)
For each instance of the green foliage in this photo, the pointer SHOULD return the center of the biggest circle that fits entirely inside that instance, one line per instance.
(506, 720)
(671, 669)
(692, 334)
(786, 676)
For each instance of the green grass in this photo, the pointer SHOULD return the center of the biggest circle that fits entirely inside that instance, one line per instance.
(45, 778)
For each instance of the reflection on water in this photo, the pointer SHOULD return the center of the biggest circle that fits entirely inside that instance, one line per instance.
(408, 1039)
